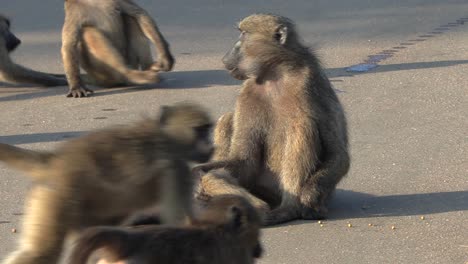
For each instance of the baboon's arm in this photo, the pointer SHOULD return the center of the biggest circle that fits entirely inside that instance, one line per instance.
(336, 161)
(70, 38)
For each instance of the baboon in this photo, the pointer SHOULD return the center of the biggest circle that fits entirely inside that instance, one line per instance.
(13, 73)
(103, 177)
(109, 39)
(286, 141)
(227, 231)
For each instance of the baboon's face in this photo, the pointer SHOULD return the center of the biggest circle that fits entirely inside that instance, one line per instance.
(190, 129)
(238, 216)
(262, 40)
(233, 58)
(203, 147)
(11, 42)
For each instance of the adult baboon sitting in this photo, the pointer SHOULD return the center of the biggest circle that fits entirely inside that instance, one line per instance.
(286, 141)
(109, 39)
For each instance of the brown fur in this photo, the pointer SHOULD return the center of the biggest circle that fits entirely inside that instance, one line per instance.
(109, 39)
(286, 141)
(11, 72)
(227, 232)
(103, 177)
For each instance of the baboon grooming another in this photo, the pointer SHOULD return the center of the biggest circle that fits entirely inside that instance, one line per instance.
(103, 177)
(109, 39)
(13, 73)
(286, 141)
(227, 232)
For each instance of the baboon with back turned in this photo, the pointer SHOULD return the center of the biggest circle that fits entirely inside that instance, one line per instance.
(227, 231)
(11, 72)
(105, 176)
(109, 39)
(286, 141)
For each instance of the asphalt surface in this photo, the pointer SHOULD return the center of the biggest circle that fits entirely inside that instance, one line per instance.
(408, 116)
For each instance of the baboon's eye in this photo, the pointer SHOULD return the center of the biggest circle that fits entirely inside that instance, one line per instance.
(242, 35)
(278, 36)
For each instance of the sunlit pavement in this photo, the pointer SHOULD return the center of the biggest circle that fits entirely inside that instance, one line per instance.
(399, 67)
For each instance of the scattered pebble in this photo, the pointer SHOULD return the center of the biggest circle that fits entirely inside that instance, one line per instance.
(422, 217)
(371, 225)
(350, 225)
(393, 227)
(320, 222)
(13, 230)
(321, 225)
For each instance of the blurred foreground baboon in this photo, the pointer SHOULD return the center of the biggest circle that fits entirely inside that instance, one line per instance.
(109, 39)
(103, 177)
(227, 232)
(11, 72)
(286, 141)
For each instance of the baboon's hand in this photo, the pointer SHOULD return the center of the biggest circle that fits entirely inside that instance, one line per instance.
(204, 168)
(165, 63)
(78, 92)
(199, 170)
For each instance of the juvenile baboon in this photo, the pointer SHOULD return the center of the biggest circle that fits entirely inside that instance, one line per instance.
(103, 177)
(109, 39)
(13, 73)
(227, 231)
(286, 141)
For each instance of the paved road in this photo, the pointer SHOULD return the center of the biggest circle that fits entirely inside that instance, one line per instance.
(408, 117)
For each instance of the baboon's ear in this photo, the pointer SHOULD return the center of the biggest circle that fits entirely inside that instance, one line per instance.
(235, 216)
(165, 113)
(281, 34)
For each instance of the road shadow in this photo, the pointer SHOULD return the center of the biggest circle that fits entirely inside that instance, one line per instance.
(169, 80)
(39, 137)
(349, 204)
(341, 72)
(205, 78)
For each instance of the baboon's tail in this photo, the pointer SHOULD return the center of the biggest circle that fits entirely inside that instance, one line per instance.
(23, 159)
(116, 242)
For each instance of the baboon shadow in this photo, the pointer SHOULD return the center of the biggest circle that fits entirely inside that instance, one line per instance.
(180, 80)
(169, 80)
(20, 93)
(39, 137)
(347, 204)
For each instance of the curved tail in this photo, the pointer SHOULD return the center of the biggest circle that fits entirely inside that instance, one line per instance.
(115, 241)
(23, 159)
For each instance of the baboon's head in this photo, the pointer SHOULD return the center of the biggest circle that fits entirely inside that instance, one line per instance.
(265, 41)
(188, 126)
(7, 39)
(235, 215)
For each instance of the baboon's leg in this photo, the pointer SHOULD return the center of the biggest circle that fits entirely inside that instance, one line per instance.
(46, 217)
(149, 28)
(222, 136)
(138, 47)
(104, 57)
(301, 160)
(219, 182)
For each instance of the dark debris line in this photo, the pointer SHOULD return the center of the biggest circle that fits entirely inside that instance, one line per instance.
(373, 61)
